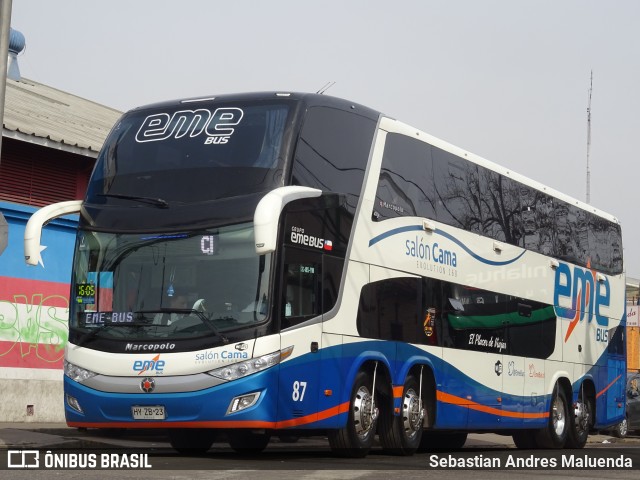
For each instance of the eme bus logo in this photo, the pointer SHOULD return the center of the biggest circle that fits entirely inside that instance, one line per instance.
(154, 366)
(217, 125)
(299, 237)
(587, 295)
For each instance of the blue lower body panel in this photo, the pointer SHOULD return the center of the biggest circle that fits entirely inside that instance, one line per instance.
(204, 408)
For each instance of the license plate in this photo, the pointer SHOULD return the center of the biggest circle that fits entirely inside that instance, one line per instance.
(148, 412)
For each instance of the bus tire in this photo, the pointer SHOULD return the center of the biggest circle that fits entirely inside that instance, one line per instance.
(247, 442)
(192, 441)
(356, 437)
(524, 439)
(401, 434)
(621, 429)
(555, 434)
(582, 421)
(435, 441)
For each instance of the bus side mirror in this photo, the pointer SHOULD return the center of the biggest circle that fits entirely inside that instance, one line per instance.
(39, 219)
(267, 214)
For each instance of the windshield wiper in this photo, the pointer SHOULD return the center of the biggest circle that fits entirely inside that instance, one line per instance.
(189, 311)
(207, 321)
(158, 202)
(89, 335)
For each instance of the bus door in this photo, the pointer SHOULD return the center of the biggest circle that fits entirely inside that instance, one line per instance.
(613, 382)
(300, 314)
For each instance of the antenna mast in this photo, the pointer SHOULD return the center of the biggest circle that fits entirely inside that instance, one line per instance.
(589, 140)
(326, 87)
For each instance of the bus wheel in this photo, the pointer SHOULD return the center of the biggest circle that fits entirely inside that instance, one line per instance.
(582, 423)
(193, 441)
(555, 434)
(621, 429)
(248, 442)
(434, 441)
(524, 439)
(356, 437)
(401, 434)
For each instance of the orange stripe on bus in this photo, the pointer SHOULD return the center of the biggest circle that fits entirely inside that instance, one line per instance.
(314, 417)
(294, 422)
(463, 402)
(601, 392)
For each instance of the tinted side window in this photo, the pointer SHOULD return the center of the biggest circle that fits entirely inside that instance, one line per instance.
(476, 199)
(451, 175)
(332, 152)
(503, 197)
(474, 319)
(302, 286)
(388, 310)
(311, 284)
(605, 245)
(405, 183)
(315, 235)
(617, 341)
(538, 221)
(531, 328)
(571, 230)
(418, 179)
(433, 312)
(485, 321)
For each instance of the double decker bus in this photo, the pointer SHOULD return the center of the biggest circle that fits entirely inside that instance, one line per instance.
(292, 264)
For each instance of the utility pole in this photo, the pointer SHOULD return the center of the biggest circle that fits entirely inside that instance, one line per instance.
(589, 140)
(5, 26)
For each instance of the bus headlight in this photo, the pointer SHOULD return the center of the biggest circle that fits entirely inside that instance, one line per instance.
(243, 402)
(74, 403)
(249, 367)
(76, 373)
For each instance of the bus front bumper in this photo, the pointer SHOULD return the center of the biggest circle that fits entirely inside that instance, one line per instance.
(242, 403)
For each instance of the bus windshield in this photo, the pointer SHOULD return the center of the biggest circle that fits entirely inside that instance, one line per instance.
(192, 153)
(173, 286)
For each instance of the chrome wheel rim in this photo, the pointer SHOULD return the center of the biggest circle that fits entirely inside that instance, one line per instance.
(411, 413)
(622, 429)
(583, 416)
(363, 417)
(559, 419)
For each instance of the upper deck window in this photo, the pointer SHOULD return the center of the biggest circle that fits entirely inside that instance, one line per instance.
(419, 179)
(193, 152)
(332, 152)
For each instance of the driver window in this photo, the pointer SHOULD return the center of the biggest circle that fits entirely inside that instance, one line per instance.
(302, 297)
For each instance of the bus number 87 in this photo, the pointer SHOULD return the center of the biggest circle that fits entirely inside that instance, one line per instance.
(298, 391)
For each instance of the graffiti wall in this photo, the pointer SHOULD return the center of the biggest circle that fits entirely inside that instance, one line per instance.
(34, 301)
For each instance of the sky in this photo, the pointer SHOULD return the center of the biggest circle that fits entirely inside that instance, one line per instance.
(508, 80)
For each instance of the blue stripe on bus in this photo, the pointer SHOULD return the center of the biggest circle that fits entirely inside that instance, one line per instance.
(437, 231)
(461, 400)
(395, 231)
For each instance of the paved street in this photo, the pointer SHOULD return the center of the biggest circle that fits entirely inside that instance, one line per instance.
(306, 458)
(41, 435)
